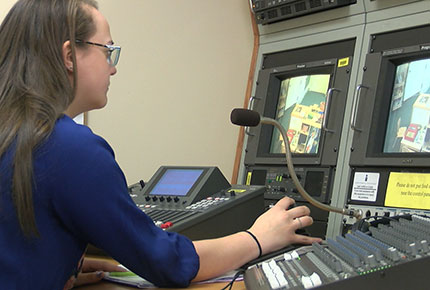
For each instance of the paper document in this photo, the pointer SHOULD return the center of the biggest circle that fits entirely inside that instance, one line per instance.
(131, 279)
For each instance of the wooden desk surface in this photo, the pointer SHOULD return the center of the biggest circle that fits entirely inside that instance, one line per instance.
(105, 285)
(239, 285)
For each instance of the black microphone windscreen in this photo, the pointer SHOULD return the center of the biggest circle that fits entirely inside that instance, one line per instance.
(244, 117)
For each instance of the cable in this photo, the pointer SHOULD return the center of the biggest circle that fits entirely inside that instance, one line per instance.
(230, 284)
(363, 226)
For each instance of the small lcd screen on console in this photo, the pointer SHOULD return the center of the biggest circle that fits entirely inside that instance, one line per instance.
(408, 127)
(300, 110)
(176, 182)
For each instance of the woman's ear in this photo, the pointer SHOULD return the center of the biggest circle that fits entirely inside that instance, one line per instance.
(67, 55)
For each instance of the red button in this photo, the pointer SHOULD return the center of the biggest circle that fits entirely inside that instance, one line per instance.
(166, 225)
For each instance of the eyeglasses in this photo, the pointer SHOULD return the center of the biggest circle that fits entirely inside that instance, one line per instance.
(113, 51)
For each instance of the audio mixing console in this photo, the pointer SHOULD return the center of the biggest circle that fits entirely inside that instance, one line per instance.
(388, 255)
(198, 202)
(220, 214)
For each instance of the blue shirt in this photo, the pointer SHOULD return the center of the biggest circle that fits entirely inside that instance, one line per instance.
(80, 196)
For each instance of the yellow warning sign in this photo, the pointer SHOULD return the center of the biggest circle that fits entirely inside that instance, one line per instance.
(409, 190)
(343, 62)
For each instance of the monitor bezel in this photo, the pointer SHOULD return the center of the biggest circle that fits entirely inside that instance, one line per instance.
(375, 96)
(272, 100)
(266, 102)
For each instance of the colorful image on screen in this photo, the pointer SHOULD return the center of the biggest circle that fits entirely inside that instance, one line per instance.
(300, 110)
(176, 182)
(408, 128)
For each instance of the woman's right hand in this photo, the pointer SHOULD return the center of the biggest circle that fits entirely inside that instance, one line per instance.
(276, 228)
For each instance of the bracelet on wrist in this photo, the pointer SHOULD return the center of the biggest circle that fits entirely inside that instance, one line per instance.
(258, 243)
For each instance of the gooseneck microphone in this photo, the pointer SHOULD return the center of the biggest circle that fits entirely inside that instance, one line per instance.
(244, 117)
(249, 118)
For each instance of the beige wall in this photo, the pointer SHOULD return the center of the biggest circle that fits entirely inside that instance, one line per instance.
(5, 5)
(184, 65)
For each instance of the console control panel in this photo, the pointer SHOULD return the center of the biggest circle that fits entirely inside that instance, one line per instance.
(378, 211)
(391, 254)
(225, 212)
(269, 11)
(316, 181)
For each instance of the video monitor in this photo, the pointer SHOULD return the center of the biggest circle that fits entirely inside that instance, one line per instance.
(391, 122)
(305, 89)
(300, 110)
(408, 125)
(308, 100)
(176, 182)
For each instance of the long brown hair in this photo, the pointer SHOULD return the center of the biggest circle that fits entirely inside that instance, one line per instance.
(34, 85)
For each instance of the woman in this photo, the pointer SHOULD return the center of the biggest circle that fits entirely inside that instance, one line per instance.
(60, 187)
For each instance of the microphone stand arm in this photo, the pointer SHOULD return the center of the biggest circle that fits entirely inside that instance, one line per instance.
(348, 212)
